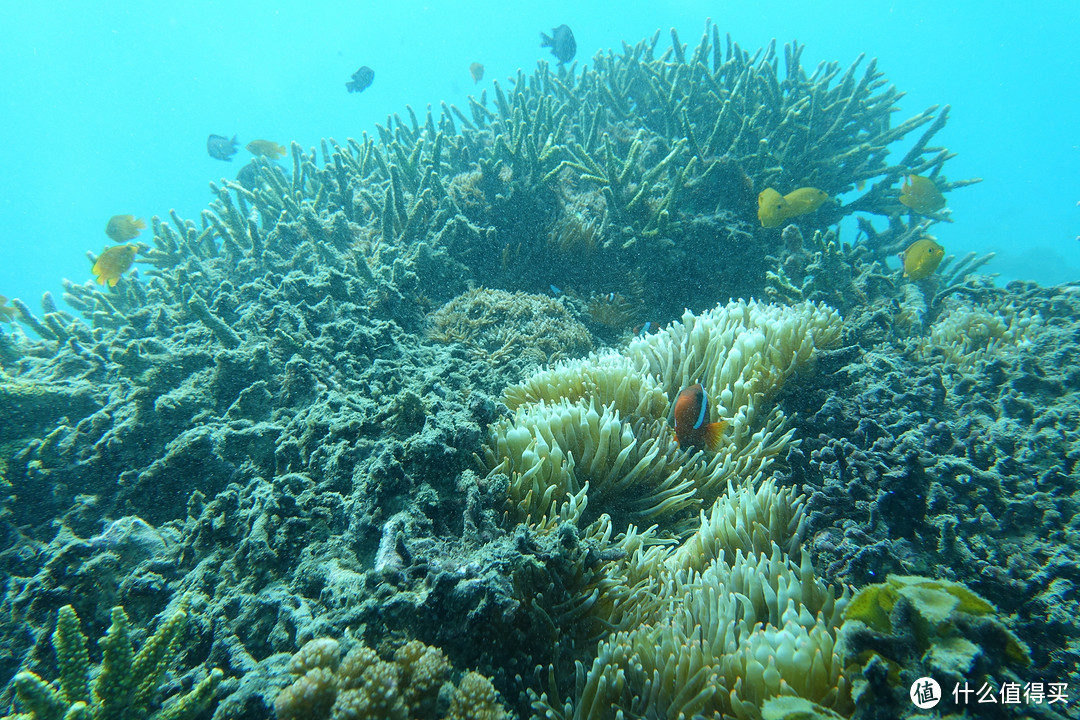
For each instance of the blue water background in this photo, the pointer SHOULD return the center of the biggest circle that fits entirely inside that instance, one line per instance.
(108, 105)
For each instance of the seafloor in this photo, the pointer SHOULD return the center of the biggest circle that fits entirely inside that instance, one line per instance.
(319, 412)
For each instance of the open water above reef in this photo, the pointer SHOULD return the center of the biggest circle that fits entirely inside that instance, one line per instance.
(130, 135)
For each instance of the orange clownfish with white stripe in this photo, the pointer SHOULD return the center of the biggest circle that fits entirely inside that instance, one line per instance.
(692, 428)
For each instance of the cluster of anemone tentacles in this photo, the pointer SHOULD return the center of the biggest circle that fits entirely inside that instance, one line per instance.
(713, 609)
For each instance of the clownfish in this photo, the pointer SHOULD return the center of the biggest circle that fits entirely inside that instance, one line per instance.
(692, 428)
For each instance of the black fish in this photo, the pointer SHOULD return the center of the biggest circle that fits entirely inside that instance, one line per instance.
(562, 44)
(361, 80)
(221, 148)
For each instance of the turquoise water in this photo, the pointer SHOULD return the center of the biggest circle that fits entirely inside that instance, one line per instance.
(108, 106)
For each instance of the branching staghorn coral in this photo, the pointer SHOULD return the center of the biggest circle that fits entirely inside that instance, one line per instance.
(603, 172)
(822, 269)
(629, 172)
(126, 684)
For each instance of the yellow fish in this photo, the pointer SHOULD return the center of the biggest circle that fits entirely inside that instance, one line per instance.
(269, 149)
(122, 228)
(477, 72)
(113, 263)
(922, 258)
(921, 195)
(7, 312)
(772, 209)
(804, 200)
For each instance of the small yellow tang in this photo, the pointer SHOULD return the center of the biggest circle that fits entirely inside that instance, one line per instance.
(922, 258)
(921, 195)
(771, 208)
(266, 148)
(805, 200)
(113, 263)
(122, 228)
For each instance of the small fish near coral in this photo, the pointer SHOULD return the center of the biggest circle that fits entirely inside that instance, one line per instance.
(477, 72)
(122, 228)
(921, 258)
(921, 195)
(692, 428)
(771, 208)
(266, 149)
(562, 43)
(220, 147)
(805, 200)
(646, 328)
(775, 209)
(113, 263)
(361, 80)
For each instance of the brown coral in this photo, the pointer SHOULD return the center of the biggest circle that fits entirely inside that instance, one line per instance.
(502, 326)
(362, 686)
(475, 699)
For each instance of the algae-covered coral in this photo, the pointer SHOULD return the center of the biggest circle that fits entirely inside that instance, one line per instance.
(292, 417)
(507, 327)
(910, 627)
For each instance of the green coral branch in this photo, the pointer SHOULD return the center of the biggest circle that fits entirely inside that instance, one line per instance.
(125, 686)
(72, 658)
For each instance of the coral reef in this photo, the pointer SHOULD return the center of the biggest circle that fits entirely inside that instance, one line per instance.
(526, 330)
(363, 686)
(712, 612)
(278, 414)
(912, 627)
(126, 683)
(952, 453)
